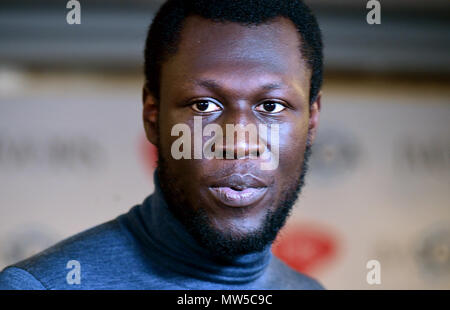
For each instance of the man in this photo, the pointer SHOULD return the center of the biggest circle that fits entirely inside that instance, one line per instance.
(211, 221)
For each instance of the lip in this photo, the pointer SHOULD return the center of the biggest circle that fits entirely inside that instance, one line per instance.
(239, 182)
(238, 190)
(238, 198)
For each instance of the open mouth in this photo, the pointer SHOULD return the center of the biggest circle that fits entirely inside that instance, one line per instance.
(238, 197)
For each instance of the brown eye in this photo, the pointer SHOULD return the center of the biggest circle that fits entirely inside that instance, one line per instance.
(270, 107)
(205, 106)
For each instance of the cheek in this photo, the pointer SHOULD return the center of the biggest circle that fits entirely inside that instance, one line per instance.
(292, 146)
(186, 171)
(168, 119)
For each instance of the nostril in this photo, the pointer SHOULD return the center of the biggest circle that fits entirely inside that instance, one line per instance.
(236, 153)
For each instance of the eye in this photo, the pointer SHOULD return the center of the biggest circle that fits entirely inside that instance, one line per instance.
(270, 107)
(205, 106)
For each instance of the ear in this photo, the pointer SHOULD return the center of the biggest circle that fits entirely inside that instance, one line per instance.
(150, 116)
(314, 111)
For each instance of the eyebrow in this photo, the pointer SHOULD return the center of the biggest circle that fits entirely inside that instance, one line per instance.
(214, 85)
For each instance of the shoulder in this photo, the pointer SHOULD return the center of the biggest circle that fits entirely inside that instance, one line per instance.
(13, 278)
(90, 251)
(284, 277)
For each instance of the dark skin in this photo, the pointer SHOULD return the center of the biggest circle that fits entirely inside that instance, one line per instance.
(245, 68)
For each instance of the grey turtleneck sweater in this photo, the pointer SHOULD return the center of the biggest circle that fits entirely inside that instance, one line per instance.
(147, 248)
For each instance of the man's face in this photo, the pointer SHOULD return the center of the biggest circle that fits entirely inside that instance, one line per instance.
(228, 73)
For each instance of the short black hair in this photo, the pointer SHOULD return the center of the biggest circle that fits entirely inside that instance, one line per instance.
(164, 32)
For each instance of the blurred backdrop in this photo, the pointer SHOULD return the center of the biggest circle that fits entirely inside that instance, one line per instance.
(73, 152)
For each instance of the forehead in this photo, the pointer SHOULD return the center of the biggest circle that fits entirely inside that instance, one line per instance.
(234, 52)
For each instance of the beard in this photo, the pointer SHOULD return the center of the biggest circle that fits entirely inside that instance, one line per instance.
(227, 245)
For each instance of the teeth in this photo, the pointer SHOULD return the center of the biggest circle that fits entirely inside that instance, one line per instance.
(238, 196)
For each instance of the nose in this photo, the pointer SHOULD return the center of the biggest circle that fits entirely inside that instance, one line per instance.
(243, 138)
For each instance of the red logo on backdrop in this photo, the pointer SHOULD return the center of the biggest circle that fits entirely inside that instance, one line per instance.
(305, 247)
(150, 154)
